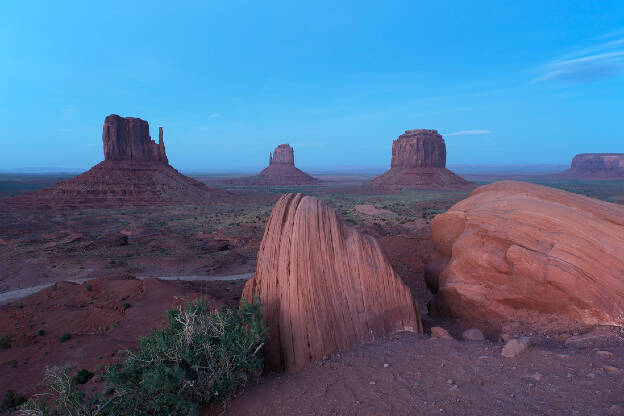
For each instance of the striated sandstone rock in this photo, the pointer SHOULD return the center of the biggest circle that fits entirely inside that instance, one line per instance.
(281, 171)
(596, 166)
(128, 138)
(521, 252)
(419, 161)
(323, 285)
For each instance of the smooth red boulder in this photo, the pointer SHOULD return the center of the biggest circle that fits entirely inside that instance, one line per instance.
(324, 286)
(419, 161)
(515, 251)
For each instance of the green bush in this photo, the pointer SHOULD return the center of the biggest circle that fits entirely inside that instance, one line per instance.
(10, 401)
(83, 376)
(201, 357)
(5, 342)
(65, 337)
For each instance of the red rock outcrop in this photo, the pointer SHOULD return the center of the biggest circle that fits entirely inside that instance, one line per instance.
(596, 166)
(516, 251)
(419, 161)
(281, 171)
(323, 285)
(128, 138)
(135, 172)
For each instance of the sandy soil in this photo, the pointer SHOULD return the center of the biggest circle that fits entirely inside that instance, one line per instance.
(409, 374)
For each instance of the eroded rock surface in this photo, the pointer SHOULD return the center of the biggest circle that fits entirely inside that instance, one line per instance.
(596, 166)
(419, 161)
(323, 285)
(516, 251)
(135, 172)
(281, 171)
(128, 138)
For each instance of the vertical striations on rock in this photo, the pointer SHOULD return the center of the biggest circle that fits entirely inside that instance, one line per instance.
(419, 161)
(128, 138)
(596, 166)
(323, 285)
(282, 155)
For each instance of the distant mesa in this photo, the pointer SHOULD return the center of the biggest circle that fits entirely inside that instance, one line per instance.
(324, 286)
(596, 166)
(419, 161)
(281, 171)
(135, 172)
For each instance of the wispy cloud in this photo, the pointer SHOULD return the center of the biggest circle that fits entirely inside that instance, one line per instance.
(213, 115)
(600, 60)
(469, 133)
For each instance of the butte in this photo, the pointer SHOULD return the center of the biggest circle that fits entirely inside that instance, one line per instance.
(419, 161)
(281, 171)
(605, 166)
(135, 172)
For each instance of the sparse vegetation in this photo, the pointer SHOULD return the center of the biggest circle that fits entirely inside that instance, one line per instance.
(83, 376)
(65, 337)
(89, 288)
(10, 401)
(5, 342)
(41, 332)
(201, 357)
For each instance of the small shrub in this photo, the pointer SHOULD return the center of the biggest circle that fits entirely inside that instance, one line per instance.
(65, 337)
(89, 288)
(126, 305)
(5, 342)
(10, 401)
(83, 376)
(41, 332)
(199, 358)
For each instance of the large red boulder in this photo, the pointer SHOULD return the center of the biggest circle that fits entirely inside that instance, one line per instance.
(516, 251)
(419, 161)
(323, 285)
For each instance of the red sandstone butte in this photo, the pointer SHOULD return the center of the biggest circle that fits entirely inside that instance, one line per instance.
(323, 286)
(419, 161)
(596, 166)
(135, 172)
(281, 171)
(515, 251)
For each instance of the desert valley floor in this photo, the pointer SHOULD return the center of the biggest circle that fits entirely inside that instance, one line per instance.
(91, 274)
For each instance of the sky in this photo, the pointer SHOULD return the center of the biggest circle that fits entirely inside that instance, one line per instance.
(505, 82)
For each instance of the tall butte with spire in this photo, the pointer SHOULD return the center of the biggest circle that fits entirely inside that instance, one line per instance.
(135, 172)
(419, 161)
(281, 171)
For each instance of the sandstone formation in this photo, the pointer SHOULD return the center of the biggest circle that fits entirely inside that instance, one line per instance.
(521, 252)
(419, 161)
(596, 166)
(323, 285)
(281, 171)
(128, 138)
(135, 172)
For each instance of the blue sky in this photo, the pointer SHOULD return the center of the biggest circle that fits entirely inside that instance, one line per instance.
(506, 82)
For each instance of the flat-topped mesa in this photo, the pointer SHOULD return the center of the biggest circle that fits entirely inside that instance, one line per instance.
(420, 148)
(282, 155)
(596, 166)
(128, 138)
(419, 161)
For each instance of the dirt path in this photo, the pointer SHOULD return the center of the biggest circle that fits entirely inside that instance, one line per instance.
(12, 295)
(427, 376)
